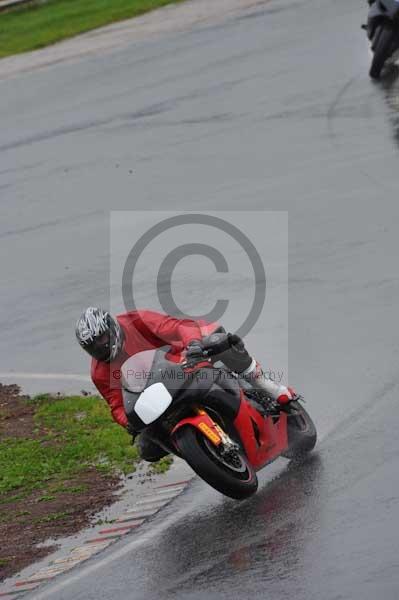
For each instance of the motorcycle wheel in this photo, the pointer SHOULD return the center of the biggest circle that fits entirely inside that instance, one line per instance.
(382, 50)
(301, 431)
(233, 477)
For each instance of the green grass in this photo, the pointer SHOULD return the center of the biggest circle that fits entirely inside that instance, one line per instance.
(77, 433)
(53, 517)
(45, 498)
(162, 465)
(37, 25)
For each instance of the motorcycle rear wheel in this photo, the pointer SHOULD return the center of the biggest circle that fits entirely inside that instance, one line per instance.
(302, 435)
(238, 480)
(382, 49)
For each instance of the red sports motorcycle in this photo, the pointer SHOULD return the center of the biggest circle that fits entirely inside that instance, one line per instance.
(221, 425)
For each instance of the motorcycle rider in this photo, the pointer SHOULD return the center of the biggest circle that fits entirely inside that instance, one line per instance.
(110, 341)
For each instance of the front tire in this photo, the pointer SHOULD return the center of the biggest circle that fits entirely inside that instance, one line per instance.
(302, 435)
(238, 481)
(382, 50)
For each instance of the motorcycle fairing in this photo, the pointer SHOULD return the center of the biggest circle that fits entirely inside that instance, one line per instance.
(263, 438)
(153, 402)
(215, 388)
(204, 423)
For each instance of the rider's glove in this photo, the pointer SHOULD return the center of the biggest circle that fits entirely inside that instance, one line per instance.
(194, 350)
(213, 345)
(217, 343)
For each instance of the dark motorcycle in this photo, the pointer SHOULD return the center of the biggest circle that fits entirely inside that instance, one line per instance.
(212, 419)
(383, 32)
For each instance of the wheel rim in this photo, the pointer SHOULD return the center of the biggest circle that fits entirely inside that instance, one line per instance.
(233, 461)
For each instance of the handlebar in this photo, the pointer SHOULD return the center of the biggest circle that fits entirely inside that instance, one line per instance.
(192, 361)
(212, 345)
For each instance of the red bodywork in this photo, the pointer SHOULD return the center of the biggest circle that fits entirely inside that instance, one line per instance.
(261, 448)
(204, 423)
(272, 436)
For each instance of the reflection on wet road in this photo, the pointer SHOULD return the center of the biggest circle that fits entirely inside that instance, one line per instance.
(255, 542)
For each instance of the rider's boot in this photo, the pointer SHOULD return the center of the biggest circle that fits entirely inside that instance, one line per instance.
(275, 391)
(238, 360)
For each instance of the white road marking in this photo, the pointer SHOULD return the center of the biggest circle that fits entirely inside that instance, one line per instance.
(151, 503)
(65, 376)
(133, 514)
(167, 492)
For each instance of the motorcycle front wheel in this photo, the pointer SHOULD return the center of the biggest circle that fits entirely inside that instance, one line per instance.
(382, 47)
(302, 435)
(231, 475)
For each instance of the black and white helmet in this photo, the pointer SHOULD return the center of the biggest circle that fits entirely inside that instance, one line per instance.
(99, 334)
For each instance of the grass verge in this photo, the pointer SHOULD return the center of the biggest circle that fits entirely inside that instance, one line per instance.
(36, 25)
(60, 463)
(69, 435)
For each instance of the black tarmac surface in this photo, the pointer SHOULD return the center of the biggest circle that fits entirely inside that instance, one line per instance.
(271, 110)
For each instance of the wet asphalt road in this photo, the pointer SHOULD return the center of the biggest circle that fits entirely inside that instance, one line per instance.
(270, 110)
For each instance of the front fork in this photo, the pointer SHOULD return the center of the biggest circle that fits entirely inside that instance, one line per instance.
(211, 430)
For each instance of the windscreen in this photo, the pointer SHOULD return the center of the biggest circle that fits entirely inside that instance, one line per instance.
(136, 371)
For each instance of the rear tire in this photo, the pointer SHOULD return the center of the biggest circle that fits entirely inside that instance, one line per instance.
(302, 435)
(382, 50)
(201, 455)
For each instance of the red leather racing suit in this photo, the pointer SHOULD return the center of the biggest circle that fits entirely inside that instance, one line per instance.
(143, 330)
